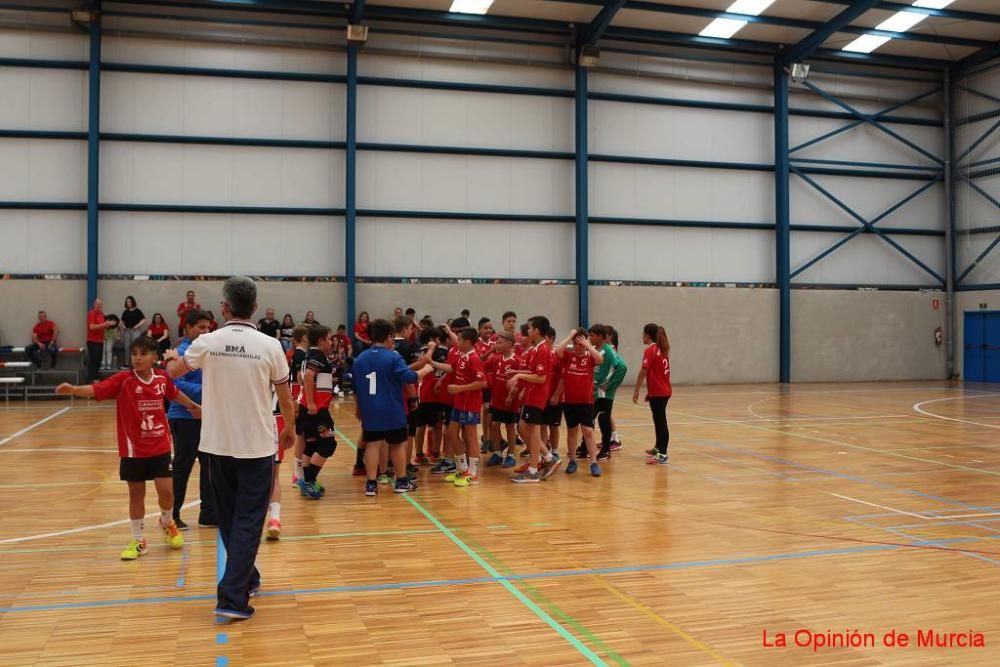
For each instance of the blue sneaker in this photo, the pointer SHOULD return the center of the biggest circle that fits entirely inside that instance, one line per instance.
(595, 470)
(301, 483)
(571, 467)
(444, 467)
(312, 492)
(494, 460)
(509, 462)
(320, 488)
(371, 487)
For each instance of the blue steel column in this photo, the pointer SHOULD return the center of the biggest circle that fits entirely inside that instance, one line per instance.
(350, 168)
(93, 150)
(950, 325)
(782, 229)
(582, 214)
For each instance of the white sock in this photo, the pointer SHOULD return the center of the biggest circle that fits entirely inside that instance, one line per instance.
(462, 462)
(474, 467)
(547, 457)
(298, 468)
(276, 511)
(533, 471)
(136, 529)
(166, 516)
(614, 436)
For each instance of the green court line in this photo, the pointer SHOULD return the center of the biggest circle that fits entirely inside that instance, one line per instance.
(538, 595)
(527, 602)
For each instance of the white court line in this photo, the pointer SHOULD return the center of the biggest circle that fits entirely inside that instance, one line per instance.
(881, 507)
(33, 426)
(917, 408)
(59, 449)
(28, 538)
(959, 516)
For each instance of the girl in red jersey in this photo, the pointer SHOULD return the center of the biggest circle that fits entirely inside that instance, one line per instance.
(656, 372)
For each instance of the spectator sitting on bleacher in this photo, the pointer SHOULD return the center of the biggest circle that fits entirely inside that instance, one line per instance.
(43, 335)
(112, 342)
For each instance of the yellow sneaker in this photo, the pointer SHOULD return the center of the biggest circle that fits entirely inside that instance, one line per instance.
(174, 537)
(458, 474)
(134, 549)
(467, 480)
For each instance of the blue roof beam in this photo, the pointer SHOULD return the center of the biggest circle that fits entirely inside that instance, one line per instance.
(357, 12)
(805, 47)
(593, 31)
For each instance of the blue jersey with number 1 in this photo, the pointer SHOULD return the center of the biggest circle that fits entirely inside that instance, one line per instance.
(379, 375)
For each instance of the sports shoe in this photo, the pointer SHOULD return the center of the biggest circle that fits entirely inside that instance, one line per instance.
(371, 487)
(467, 480)
(135, 549)
(549, 467)
(616, 445)
(509, 462)
(254, 589)
(581, 451)
(526, 478)
(235, 614)
(494, 460)
(359, 471)
(422, 460)
(295, 481)
(651, 451)
(452, 476)
(595, 470)
(412, 470)
(604, 454)
(404, 486)
(659, 459)
(385, 478)
(485, 446)
(444, 467)
(180, 524)
(174, 537)
(274, 529)
(302, 484)
(207, 523)
(524, 454)
(522, 468)
(571, 467)
(311, 492)
(319, 487)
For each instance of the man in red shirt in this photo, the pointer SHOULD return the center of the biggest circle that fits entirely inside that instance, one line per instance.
(96, 325)
(467, 388)
(184, 308)
(535, 378)
(43, 335)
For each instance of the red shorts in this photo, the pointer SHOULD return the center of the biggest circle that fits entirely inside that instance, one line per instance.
(279, 424)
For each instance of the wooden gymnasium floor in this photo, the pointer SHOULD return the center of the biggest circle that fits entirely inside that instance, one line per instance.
(866, 507)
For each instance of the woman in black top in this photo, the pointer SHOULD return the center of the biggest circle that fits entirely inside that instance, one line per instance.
(134, 322)
(285, 334)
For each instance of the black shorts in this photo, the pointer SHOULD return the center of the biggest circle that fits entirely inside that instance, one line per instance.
(132, 469)
(393, 437)
(429, 414)
(445, 413)
(503, 416)
(411, 423)
(579, 414)
(318, 432)
(532, 415)
(552, 415)
(487, 395)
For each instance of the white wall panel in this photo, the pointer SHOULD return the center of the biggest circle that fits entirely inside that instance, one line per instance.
(42, 99)
(43, 170)
(696, 134)
(43, 45)
(464, 71)
(221, 175)
(641, 191)
(405, 181)
(213, 244)
(192, 53)
(869, 198)
(865, 143)
(211, 106)
(968, 247)
(458, 118)
(467, 249)
(43, 242)
(635, 252)
(866, 259)
(674, 85)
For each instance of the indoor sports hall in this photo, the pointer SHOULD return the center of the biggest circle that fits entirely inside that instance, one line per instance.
(713, 282)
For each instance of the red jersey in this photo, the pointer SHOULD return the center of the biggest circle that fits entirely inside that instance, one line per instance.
(500, 369)
(183, 309)
(657, 367)
(538, 361)
(449, 378)
(95, 335)
(156, 330)
(46, 331)
(469, 370)
(578, 377)
(142, 421)
(484, 351)
(555, 374)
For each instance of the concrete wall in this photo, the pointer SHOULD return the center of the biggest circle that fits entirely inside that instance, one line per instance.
(62, 300)
(841, 336)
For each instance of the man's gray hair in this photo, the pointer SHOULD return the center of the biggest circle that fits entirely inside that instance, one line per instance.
(240, 294)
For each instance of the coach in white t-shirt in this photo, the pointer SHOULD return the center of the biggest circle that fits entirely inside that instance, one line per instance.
(240, 367)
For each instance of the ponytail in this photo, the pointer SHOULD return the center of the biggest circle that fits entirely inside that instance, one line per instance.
(658, 335)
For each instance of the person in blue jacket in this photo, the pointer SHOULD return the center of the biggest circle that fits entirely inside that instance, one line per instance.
(186, 429)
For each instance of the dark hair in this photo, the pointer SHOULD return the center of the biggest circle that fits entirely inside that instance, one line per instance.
(318, 332)
(540, 322)
(550, 333)
(613, 336)
(469, 334)
(341, 327)
(145, 344)
(190, 291)
(509, 313)
(155, 315)
(299, 332)
(399, 324)
(599, 330)
(363, 313)
(524, 329)
(132, 299)
(659, 336)
(465, 313)
(459, 323)
(240, 294)
(429, 334)
(195, 316)
(427, 323)
(410, 312)
(482, 321)
(380, 330)
(288, 317)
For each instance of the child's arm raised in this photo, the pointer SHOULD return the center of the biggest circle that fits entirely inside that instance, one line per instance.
(81, 391)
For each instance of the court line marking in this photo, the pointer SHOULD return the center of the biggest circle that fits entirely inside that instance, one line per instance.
(917, 408)
(683, 565)
(931, 542)
(56, 450)
(881, 507)
(81, 529)
(34, 426)
(959, 516)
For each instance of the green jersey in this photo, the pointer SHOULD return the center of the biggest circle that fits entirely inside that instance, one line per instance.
(611, 372)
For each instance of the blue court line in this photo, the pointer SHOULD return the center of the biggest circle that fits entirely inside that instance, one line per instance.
(220, 558)
(834, 473)
(899, 533)
(684, 565)
(222, 638)
(221, 661)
